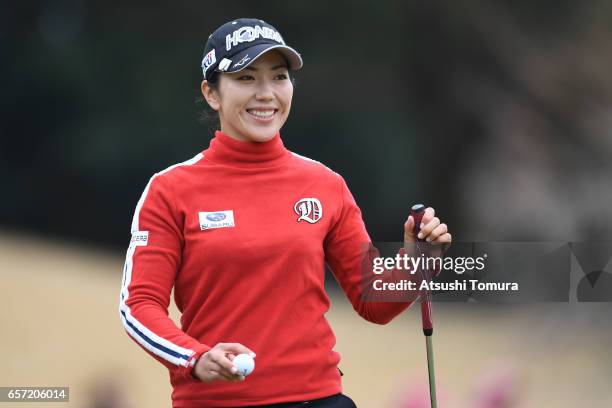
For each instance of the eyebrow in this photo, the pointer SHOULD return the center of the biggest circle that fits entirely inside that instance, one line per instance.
(271, 69)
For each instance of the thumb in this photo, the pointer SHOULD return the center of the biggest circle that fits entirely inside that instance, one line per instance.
(409, 230)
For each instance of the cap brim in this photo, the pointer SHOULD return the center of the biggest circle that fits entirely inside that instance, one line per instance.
(245, 58)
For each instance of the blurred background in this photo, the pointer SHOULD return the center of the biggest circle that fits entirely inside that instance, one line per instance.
(498, 114)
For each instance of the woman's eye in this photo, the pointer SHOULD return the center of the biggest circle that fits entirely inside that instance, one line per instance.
(245, 78)
(281, 76)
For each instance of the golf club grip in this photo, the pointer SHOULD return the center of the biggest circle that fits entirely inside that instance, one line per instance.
(417, 211)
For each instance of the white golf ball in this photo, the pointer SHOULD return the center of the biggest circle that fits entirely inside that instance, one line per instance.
(244, 363)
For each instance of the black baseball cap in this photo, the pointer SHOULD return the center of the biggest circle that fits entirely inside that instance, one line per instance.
(237, 43)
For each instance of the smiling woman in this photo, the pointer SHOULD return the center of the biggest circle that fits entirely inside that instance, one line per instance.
(253, 103)
(242, 232)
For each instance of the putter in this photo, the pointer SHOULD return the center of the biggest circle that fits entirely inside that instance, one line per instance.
(417, 212)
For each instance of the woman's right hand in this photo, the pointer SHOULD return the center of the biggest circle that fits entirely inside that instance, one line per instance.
(216, 363)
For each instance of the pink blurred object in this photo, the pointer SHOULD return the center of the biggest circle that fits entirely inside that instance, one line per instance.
(417, 396)
(498, 388)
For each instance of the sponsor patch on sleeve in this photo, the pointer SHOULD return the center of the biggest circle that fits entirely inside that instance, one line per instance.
(140, 238)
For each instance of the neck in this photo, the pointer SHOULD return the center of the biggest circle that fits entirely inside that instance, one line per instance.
(229, 151)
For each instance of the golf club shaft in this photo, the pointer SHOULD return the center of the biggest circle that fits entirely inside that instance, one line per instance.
(431, 372)
(417, 213)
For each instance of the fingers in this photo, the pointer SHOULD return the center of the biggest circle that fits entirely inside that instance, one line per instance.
(432, 230)
(439, 230)
(444, 238)
(235, 348)
(220, 373)
(428, 228)
(216, 364)
(216, 368)
(220, 363)
(427, 217)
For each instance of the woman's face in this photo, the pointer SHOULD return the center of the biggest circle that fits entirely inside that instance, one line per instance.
(253, 104)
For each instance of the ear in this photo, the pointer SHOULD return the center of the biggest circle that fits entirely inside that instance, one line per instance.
(211, 96)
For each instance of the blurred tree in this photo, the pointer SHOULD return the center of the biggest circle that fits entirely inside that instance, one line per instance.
(496, 114)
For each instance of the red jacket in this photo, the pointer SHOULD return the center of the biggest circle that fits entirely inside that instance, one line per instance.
(242, 232)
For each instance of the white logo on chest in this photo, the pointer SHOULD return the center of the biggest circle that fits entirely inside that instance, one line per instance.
(216, 219)
(309, 210)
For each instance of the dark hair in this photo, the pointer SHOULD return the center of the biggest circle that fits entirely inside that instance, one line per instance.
(207, 115)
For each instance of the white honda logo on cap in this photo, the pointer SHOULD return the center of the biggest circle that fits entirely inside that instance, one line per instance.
(249, 34)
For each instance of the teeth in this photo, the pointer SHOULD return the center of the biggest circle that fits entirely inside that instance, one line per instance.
(262, 114)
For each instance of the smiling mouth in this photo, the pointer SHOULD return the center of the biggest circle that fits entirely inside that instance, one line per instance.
(262, 115)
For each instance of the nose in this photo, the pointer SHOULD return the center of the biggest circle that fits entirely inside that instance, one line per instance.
(264, 91)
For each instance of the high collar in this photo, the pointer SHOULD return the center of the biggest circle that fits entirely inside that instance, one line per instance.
(224, 149)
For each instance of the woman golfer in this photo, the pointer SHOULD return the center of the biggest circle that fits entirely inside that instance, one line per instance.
(242, 232)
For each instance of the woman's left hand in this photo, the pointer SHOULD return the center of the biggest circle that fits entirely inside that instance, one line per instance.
(432, 230)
